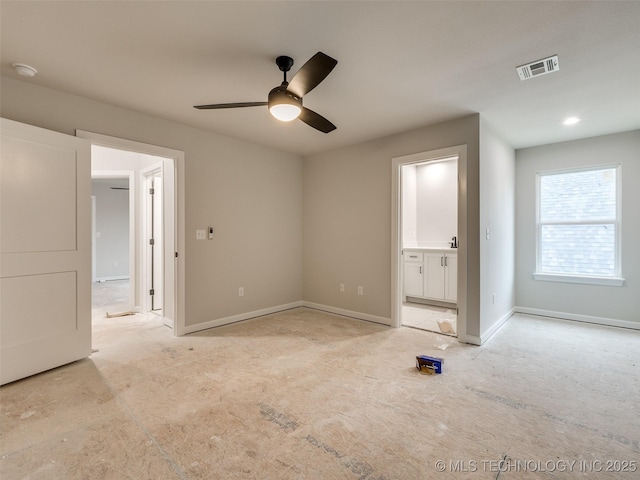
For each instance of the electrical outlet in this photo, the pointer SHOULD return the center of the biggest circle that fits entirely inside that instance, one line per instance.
(115, 264)
(360, 290)
(241, 292)
(342, 287)
(201, 234)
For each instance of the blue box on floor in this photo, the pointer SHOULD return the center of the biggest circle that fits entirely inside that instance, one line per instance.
(429, 365)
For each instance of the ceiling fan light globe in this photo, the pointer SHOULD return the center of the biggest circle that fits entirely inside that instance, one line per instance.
(284, 105)
(285, 112)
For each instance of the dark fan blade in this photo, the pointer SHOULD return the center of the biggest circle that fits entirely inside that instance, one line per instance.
(311, 74)
(316, 121)
(230, 105)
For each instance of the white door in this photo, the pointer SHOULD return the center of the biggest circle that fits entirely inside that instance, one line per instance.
(45, 250)
(154, 242)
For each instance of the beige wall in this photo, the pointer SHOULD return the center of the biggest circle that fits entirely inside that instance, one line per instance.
(497, 213)
(262, 202)
(249, 193)
(347, 219)
(614, 305)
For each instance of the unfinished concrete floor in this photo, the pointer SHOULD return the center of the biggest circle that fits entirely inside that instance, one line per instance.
(307, 395)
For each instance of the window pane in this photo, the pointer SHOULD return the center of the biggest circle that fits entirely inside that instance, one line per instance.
(578, 196)
(578, 249)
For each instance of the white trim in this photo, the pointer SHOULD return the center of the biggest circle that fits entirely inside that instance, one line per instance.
(240, 317)
(471, 340)
(496, 326)
(108, 279)
(608, 322)
(459, 151)
(93, 239)
(349, 313)
(482, 339)
(606, 281)
(177, 267)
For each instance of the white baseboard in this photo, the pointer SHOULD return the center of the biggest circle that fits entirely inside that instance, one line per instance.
(238, 318)
(107, 279)
(471, 340)
(348, 313)
(494, 328)
(609, 322)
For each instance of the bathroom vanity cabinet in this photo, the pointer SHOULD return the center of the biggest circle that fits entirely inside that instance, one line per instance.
(431, 274)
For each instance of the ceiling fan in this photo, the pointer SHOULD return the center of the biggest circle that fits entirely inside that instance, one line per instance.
(285, 100)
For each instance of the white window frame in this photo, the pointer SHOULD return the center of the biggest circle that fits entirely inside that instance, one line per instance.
(616, 278)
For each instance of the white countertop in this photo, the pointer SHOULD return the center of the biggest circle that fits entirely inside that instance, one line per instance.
(431, 249)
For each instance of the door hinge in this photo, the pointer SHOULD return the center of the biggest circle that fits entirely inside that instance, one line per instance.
(152, 241)
(151, 191)
(152, 292)
(176, 254)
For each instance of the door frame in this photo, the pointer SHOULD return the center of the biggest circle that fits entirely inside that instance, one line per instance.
(396, 230)
(173, 184)
(93, 238)
(145, 234)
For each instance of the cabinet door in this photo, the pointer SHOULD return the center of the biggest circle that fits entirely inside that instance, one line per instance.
(451, 278)
(413, 276)
(434, 275)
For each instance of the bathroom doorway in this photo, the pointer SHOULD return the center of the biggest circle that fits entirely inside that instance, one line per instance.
(428, 243)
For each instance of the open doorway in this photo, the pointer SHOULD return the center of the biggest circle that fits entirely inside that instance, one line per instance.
(112, 244)
(428, 229)
(429, 245)
(152, 286)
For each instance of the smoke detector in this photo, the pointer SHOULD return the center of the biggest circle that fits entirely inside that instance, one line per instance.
(539, 67)
(24, 70)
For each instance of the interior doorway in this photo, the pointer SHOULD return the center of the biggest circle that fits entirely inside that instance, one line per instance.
(154, 268)
(429, 212)
(113, 229)
(429, 258)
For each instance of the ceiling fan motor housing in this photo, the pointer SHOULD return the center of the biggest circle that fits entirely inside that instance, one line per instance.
(280, 95)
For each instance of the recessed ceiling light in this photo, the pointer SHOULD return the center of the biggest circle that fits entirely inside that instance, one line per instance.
(571, 121)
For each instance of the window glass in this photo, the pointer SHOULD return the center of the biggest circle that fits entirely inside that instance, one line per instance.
(578, 223)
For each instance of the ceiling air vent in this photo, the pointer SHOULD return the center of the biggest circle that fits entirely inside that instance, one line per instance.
(539, 67)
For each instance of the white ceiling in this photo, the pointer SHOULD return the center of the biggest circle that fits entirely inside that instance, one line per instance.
(401, 65)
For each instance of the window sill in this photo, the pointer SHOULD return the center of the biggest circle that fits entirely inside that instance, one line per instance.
(607, 281)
